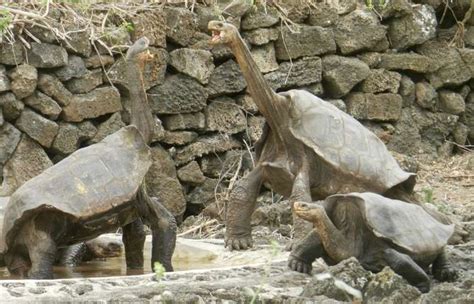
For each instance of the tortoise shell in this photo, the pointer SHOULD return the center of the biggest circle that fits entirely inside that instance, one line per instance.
(91, 181)
(343, 142)
(405, 225)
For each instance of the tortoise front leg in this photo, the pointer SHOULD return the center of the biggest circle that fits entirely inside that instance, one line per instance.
(133, 237)
(404, 265)
(163, 227)
(239, 210)
(305, 252)
(301, 192)
(442, 269)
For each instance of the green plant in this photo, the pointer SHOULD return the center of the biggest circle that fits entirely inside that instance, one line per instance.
(128, 26)
(5, 20)
(428, 195)
(276, 249)
(371, 5)
(159, 271)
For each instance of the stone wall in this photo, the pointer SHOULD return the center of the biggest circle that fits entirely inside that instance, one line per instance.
(393, 70)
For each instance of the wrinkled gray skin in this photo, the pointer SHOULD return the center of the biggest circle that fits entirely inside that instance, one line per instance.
(309, 150)
(34, 231)
(345, 226)
(97, 248)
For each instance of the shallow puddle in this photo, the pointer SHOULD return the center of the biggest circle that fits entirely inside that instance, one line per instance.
(188, 255)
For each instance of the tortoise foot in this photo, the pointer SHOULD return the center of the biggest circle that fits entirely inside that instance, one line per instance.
(290, 245)
(297, 264)
(423, 287)
(446, 274)
(239, 243)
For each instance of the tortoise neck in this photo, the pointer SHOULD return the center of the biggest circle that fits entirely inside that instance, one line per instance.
(140, 111)
(263, 95)
(334, 241)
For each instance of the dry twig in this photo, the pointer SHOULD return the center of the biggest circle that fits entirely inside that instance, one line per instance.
(198, 227)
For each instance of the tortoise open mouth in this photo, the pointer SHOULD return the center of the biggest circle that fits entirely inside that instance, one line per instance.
(146, 56)
(216, 36)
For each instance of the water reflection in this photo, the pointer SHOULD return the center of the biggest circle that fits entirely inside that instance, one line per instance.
(116, 266)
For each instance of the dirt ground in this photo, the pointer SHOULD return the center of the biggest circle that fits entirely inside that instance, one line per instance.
(448, 184)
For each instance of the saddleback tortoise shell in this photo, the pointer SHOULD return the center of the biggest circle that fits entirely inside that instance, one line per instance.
(343, 142)
(91, 181)
(407, 226)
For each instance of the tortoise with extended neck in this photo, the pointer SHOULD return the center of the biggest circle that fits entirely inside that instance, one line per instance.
(309, 149)
(380, 232)
(94, 190)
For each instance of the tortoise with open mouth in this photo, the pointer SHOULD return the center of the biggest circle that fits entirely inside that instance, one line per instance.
(379, 232)
(309, 150)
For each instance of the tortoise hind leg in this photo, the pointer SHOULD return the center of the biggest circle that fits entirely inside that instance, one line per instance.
(305, 252)
(42, 251)
(37, 236)
(442, 269)
(404, 265)
(18, 265)
(133, 237)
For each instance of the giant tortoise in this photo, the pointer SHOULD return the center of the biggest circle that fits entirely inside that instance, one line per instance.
(94, 190)
(378, 232)
(309, 149)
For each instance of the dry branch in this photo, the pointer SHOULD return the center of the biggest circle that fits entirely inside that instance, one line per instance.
(199, 227)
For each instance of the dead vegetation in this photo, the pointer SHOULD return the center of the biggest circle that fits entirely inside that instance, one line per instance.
(94, 17)
(64, 18)
(448, 184)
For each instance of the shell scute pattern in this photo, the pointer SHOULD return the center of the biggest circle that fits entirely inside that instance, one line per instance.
(342, 141)
(90, 181)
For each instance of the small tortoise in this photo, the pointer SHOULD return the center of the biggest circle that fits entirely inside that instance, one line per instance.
(98, 248)
(378, 232)
(309, 149)
(93, 191)
(95, 249)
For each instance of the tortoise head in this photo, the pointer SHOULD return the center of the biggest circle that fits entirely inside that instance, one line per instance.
(138, 47)
(104, 248)
(222, 32)
(310, 212)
